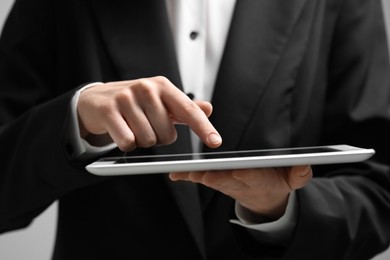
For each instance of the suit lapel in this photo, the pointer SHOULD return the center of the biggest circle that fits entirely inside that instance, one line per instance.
(258, 36)
(250, 58)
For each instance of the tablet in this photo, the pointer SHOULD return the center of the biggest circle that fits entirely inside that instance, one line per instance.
(128, 165)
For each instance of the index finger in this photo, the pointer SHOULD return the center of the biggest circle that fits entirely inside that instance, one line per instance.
(188, 112)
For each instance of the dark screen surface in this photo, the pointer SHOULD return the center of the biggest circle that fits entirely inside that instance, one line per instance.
(220, 155)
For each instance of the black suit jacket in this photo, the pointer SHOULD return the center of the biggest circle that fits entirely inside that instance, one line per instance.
(294, 73)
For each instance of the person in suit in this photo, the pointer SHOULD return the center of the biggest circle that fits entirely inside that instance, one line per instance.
(80, 79)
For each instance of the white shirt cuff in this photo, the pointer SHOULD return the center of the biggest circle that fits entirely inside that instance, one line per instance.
(80, 145)
(281, 228)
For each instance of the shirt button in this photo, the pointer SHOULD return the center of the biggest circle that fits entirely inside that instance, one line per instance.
(194, 35)
(190, 95)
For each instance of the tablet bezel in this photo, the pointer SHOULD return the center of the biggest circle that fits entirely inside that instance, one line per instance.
(107, 166)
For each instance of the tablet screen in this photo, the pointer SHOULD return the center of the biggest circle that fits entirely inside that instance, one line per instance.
(220, 155)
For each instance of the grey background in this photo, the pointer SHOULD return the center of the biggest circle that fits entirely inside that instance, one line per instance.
(36, 241)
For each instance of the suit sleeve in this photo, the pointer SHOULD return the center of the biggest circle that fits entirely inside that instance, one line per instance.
(35, 166)
(344, 213)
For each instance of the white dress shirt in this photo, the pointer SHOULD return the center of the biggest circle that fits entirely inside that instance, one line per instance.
(199, 30)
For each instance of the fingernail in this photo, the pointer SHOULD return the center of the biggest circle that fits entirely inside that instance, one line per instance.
(214, 139)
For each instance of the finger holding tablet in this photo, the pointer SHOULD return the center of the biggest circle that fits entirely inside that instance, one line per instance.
(262, 191)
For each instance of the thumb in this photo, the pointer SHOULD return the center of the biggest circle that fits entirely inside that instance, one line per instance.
(299, 176)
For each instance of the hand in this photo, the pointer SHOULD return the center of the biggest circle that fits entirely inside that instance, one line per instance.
(142, 113)
(263, 191)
